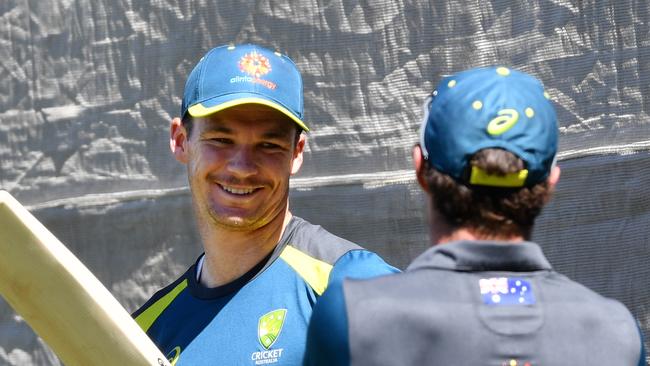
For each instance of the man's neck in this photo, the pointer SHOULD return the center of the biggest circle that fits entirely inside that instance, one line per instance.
(466, 234)
(229, 254)
(441, 232)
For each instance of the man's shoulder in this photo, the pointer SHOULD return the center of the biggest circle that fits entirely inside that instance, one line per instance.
(317, 242)
(322, 257)
(560, 289)
(600, 322)
(322, 245)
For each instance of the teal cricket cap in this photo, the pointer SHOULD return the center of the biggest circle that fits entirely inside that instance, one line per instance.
(232, 75)
(493, 107)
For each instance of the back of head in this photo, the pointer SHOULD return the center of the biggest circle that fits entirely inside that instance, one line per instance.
(489, 140)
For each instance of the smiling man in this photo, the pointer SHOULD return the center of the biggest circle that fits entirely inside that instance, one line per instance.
(248, 298)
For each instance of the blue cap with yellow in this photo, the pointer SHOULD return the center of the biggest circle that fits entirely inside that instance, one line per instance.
(231, 75)
(493, 107)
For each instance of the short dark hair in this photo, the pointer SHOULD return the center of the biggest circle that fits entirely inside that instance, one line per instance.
(489, 211)
(188, 122)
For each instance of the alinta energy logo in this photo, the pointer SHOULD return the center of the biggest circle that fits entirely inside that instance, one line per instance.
(268, 330)
(256, 66)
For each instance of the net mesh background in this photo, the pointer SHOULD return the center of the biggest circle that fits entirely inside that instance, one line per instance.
(89, 87)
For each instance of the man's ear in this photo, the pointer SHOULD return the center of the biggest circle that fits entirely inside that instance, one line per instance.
(418, 163)
(178, 139)
(297, 154)
(554, 176)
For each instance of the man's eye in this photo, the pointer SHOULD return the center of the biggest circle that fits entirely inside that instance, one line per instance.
(220, 140)
(270, 145)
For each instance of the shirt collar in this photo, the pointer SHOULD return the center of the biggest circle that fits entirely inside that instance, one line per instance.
(474, 256)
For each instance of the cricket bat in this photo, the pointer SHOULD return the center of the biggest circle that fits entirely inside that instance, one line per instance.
(62, 300)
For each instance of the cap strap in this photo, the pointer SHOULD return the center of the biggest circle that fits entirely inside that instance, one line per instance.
(511, 180)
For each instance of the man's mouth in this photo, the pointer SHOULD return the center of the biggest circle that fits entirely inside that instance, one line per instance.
(238, 191)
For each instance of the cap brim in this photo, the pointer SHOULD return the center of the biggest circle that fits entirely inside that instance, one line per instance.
(200, 110)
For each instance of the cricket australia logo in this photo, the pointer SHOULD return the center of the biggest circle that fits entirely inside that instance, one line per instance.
(269, 327)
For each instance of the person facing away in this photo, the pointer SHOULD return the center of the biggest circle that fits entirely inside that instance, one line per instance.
(483, 294)
(247, 300)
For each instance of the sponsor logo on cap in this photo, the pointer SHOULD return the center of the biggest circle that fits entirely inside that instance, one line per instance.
(256, 66)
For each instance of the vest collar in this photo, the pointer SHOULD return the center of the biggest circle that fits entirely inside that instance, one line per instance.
(476, 256)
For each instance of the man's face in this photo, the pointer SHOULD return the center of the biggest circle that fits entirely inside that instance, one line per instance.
(239, 163)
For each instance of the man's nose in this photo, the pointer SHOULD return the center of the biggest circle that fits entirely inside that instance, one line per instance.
(242, 163)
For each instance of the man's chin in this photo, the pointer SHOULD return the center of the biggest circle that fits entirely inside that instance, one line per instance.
(237, 223)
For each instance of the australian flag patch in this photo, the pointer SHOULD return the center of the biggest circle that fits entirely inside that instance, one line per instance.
(506, 291)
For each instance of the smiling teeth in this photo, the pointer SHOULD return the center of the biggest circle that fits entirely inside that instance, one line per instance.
(237, 190)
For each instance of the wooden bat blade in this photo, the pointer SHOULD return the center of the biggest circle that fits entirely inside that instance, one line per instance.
(62, 300)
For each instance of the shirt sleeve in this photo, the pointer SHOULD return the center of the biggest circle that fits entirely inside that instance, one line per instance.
(327, 338)
(327, 335)
(359, 264)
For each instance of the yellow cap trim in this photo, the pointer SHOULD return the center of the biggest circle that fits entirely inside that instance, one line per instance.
(146, 319)
(511, 180)
(315, 272)
(198, 110)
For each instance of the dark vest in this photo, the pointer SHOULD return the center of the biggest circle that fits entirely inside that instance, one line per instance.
(469, 303)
